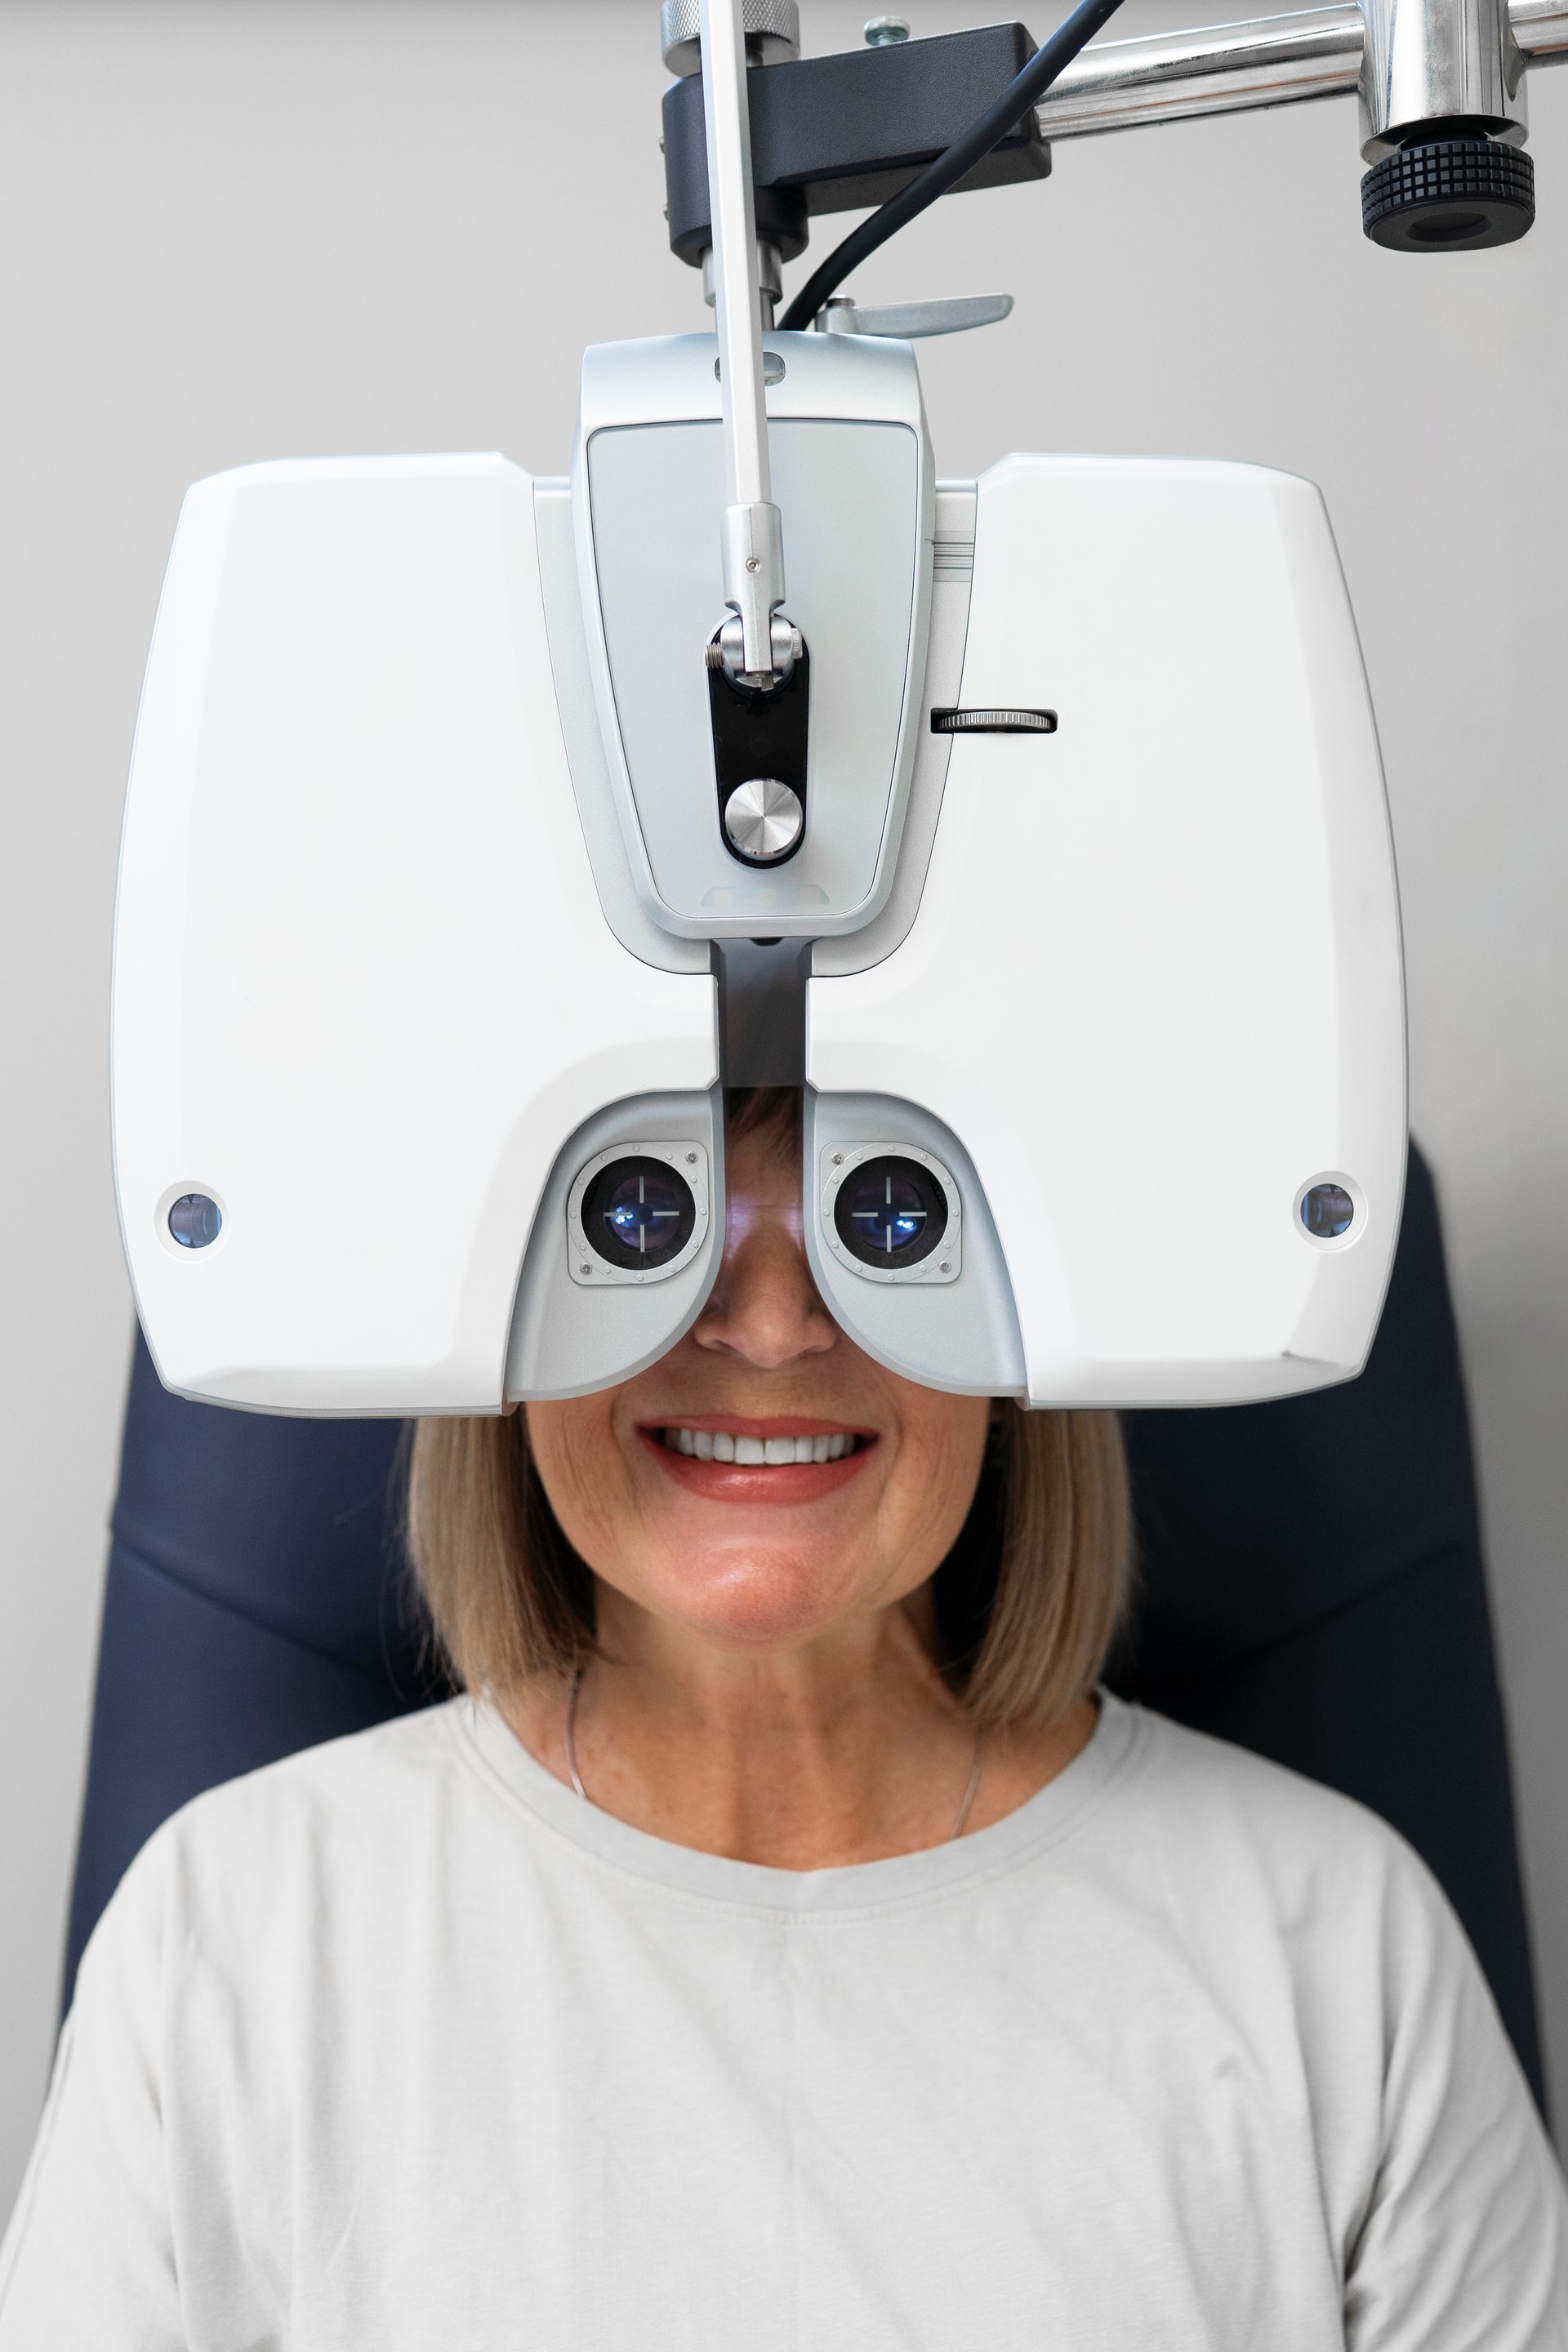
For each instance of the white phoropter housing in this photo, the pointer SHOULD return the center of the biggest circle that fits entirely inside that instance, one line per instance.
(1064, 806)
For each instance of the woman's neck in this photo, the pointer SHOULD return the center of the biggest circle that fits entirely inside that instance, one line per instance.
(838, 1750)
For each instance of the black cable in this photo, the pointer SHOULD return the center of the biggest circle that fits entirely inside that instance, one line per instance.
(1026, 90)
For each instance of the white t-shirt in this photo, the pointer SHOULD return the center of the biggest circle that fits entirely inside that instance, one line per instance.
(400, 2047)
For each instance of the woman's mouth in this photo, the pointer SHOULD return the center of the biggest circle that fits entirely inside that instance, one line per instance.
(780, 1460)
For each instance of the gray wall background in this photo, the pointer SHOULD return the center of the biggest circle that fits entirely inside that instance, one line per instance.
(232, 229)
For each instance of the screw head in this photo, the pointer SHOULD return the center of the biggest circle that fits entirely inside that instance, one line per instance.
(946, 1266)
(691, 1160)
(886, 32)
(584, 1270)
(754, 563)
(839, 1160)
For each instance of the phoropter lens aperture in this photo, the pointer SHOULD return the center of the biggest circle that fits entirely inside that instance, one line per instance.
(890, 1212)
(639, 1213)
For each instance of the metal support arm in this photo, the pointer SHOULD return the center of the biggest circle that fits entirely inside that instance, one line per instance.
(1224, 68)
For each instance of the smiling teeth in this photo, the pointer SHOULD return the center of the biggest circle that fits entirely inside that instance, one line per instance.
(718, 1445)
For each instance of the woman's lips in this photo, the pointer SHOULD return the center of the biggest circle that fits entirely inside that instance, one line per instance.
(691, 1451)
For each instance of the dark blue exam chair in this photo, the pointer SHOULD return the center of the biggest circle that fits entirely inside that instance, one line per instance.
(1312, 1586)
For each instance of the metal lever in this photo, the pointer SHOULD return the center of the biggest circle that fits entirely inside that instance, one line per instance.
(909, 320)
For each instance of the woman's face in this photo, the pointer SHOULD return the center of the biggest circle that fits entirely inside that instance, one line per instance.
(765, 1480)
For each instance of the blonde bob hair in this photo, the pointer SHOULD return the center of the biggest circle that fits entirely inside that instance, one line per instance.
(1027, 1601)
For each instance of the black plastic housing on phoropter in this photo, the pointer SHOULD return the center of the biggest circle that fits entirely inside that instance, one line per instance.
(837, 133)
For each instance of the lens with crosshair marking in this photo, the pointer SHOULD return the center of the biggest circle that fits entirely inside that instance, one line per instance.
(639, 1213)
(890, 1212)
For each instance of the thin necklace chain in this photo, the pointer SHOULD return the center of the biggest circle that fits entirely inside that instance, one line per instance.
(954, 1834)
(571, 1736)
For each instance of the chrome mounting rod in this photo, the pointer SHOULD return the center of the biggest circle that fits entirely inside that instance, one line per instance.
(752, 528)
(1225, 68)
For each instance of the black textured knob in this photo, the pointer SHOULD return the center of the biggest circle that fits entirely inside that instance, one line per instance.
(1448, 196)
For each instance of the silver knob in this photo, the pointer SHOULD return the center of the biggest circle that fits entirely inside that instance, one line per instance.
(771, 28)
(762, 820)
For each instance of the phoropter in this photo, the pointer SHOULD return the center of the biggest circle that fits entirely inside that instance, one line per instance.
(473, 817)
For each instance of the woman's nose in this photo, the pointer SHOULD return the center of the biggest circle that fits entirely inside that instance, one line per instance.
(765, 1309)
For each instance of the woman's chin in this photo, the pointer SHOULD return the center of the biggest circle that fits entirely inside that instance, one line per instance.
(750, 1596)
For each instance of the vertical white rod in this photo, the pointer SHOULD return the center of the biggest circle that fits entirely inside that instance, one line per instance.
(753, 538)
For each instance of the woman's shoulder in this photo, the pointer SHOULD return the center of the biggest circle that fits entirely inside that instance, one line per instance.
(337, 1787)
(1226, 1821)
(1217, 1787)
(278, 1841)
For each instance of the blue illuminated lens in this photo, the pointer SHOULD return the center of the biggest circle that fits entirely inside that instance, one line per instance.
(889, 1213)
(643, 1212)
(639, 1212)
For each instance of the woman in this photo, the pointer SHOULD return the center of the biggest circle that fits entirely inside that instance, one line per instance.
(785, 1946)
